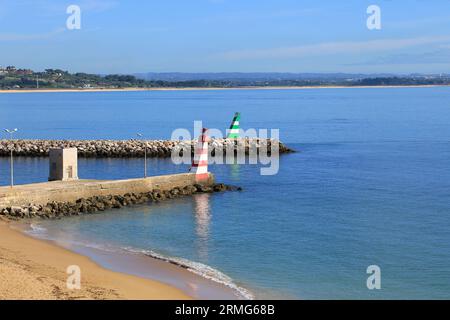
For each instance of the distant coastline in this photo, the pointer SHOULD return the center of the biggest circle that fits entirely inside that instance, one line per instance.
(215, 88)
(14, 79)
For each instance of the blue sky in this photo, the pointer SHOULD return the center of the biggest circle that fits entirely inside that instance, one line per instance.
(128, 36)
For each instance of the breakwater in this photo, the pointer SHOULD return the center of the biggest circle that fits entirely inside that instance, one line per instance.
(66, 198)
(134, 148)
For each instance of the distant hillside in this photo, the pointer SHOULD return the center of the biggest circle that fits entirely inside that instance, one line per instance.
(14, 78)
(255, 76)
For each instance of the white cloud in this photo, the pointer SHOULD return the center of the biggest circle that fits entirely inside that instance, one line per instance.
(28, 37)
(327, 48)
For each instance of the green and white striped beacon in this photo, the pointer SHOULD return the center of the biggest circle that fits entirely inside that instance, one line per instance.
(233, 133)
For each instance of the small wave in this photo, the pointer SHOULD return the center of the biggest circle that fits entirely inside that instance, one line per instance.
(200, 269)
(93, 245)
(36, 230)
(43, 233)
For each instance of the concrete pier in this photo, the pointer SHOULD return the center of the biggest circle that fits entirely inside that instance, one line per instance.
(71, 191)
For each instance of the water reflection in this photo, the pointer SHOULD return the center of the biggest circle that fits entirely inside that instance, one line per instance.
(235, 171)
(202, 219)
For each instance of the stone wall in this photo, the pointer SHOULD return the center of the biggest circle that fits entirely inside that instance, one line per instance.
(96, 204)
(125, 148)
(70, 191)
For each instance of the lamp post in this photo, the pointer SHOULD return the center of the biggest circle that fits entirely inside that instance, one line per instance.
(140, 135)
(11, 162)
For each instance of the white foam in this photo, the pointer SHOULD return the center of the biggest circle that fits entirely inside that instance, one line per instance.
(43, 233)
(200, 269)
(36, 230)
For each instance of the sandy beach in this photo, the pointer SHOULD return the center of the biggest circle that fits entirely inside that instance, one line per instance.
(35, 269)
(208, 88)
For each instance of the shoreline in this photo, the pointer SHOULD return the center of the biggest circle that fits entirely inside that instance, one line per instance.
(177, 273)
(212, 88)
(36, 269)
(146, 265)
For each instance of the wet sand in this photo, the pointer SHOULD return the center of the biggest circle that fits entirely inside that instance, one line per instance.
(141, 265)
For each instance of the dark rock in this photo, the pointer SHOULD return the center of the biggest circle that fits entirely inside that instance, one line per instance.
(100, 206)
(219, 187)
(47, 209)
(233, 188)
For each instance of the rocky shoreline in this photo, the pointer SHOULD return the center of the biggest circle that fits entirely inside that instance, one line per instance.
(55, 210)
(131, 148)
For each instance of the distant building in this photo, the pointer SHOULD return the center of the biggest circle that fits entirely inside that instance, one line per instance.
(63, 164)
(11, 69)
(24, 72)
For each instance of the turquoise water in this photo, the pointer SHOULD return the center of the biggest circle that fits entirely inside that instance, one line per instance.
(369, 185)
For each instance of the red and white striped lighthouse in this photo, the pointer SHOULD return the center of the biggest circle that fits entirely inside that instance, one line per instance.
(200, 161)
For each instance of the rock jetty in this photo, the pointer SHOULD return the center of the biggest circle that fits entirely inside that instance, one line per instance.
(131, 148)
(96, 204)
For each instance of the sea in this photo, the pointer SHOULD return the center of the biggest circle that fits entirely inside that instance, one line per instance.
(368, 185)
